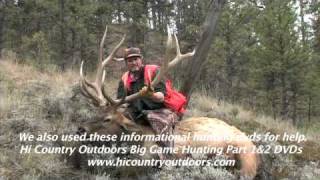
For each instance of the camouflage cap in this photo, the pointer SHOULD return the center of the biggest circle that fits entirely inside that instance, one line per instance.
(132, 52)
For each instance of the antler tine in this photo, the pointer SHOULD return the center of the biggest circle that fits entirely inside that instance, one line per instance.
(84, 86)
(100, 66)
(122, 100)
(111, 56)
(179, 56)
(164, 67)
(127, 98)
(118, 59)
(103, 62)
(84, 81)
(94, 90)
(103, 76)
(88, 95)
(112, 102)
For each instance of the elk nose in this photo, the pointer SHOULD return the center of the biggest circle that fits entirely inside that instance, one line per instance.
(81, 130)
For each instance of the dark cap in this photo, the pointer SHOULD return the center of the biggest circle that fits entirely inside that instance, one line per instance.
(132, 52)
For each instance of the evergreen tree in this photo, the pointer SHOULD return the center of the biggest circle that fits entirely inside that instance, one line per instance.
(279, 56)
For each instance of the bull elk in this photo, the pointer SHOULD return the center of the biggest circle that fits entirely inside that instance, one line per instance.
(113, 121)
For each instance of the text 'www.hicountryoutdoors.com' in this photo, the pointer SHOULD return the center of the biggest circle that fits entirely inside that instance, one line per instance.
(160, 163)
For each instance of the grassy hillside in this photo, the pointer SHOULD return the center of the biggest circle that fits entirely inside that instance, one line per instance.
(49, 101)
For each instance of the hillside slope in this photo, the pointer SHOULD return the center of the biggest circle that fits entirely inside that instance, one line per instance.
(37, 102)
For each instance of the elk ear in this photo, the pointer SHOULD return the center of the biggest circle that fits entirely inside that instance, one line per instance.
(130, 125)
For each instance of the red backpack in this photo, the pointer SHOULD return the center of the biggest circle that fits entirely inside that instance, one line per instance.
(173, 99)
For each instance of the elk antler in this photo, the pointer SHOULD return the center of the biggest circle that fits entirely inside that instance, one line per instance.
(93, 90)
(166, 65)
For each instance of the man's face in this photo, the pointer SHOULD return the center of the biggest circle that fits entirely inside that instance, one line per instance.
(134, 63)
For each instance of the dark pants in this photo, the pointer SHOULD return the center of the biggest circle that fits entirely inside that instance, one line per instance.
(162, 121)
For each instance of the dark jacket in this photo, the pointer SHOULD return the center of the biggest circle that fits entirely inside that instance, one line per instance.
(138, 106)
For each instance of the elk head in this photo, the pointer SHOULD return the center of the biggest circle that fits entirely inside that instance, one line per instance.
(111, 119)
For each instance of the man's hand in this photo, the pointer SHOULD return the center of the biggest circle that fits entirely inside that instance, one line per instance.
(146, 91)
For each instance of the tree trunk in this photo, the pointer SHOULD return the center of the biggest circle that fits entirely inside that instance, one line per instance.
(179, 17)
(294, 108)
(62, 35)
(153, 15)
(2, 24)
(230, 70)
(274, 108)
(202, 49)
(284, 99)
(159, 19)
(119, 12)
(309, 108)
(73, 48)
(303, 27)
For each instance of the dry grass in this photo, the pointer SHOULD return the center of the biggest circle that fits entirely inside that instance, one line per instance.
(22, 74)
(16, 78)
(21, 111)
(23, 89)
(202, 103)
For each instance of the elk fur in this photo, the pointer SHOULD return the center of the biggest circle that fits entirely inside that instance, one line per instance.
(214, 127)
(249, 161)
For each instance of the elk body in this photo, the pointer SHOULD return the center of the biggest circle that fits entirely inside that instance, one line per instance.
(113, 121)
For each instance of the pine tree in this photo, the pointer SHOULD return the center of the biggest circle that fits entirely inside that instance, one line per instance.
(279, 56)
